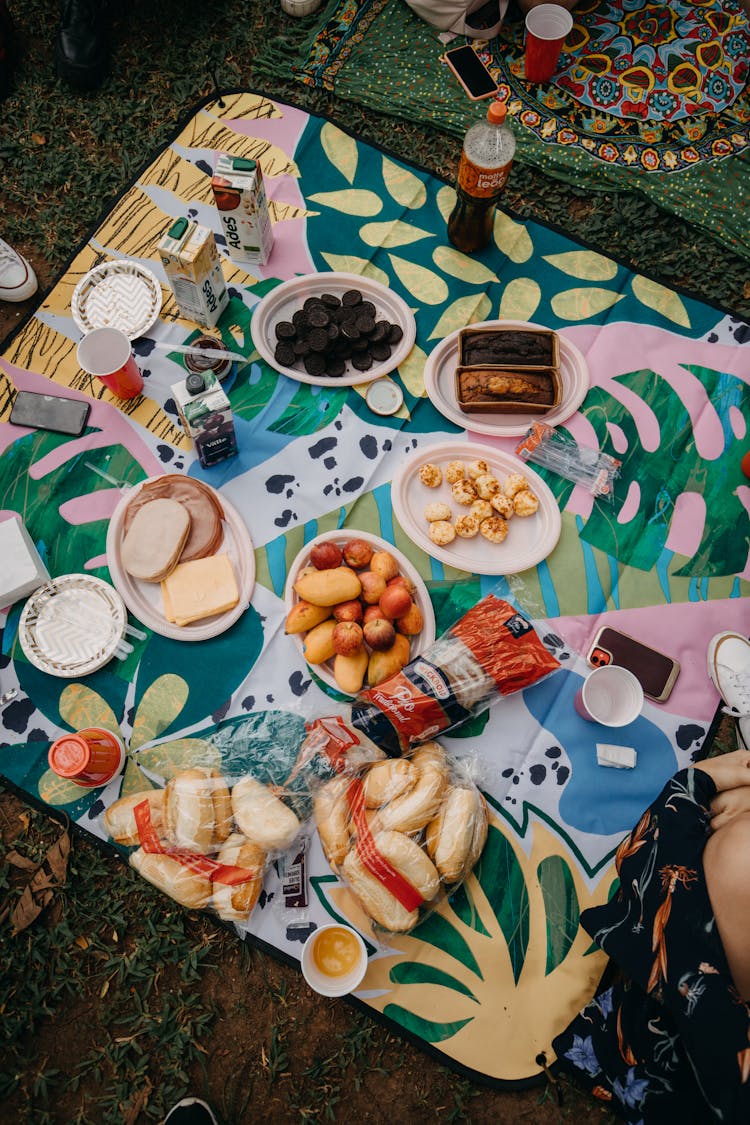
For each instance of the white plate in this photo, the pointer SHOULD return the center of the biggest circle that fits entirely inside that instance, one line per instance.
(143, 599)
(286, 298)
(418, 644)
(440, 384)
(529, 540)
(72, 625)
(120, 294)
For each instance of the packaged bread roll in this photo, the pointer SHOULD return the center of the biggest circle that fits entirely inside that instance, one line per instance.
(388, 779)
(235, 903)
(383, 907)
(409, 859)
(452, 836)
(332, 819)
(197, 810)
(262, 817)
(415, 809)
(172, 877)
(119, 819)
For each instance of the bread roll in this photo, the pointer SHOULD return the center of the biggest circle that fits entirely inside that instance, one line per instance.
(378, 902)
(415, 809)
(481, 824)
(332, 818)
(189, 813)
(386, 780)
(119, 818)
(262, 817)
(235, 903)
(431, 754)
(221, 800)
(450, 836)
(170, 876)
(411, 861)
(154, 540)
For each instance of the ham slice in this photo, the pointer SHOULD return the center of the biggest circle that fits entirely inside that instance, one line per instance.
(203, 507)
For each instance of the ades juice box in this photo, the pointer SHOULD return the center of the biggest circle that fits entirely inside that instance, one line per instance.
(206, 416)
(243, 209)
(193, 268)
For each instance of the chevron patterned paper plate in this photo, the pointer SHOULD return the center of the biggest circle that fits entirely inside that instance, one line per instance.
(72, 625)
(120, 294)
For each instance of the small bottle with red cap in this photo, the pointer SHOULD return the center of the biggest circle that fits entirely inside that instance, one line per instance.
(486, 160)
(89, 758)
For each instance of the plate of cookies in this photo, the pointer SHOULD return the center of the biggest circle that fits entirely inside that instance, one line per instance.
(566, 362)
(180, 557)
(333, 329)
(476, 508)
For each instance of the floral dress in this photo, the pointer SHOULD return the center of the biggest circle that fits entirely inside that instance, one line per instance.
(669, 1041)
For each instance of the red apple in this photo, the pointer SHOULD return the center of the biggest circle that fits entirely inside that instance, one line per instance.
(347, 638)
(373, 586)
(395, 601)
(379, 634)
(325, 556)
(357, 553)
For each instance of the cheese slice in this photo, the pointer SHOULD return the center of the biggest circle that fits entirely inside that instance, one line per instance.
(198, 589)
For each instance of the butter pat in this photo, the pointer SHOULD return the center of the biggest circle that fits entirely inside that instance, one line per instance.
(619, 757)
(21, 568)
(199, 589)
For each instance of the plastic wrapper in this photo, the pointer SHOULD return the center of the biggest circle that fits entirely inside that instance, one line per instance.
(208, 835)
(557, 450)
(402, 833)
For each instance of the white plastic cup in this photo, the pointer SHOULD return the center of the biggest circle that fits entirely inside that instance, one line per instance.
(611, 696)
(547, 28)
(106, 354)
(333, 985)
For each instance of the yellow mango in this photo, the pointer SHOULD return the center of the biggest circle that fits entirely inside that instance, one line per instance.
(317, 646)
(386, 663)
(328, 587)
(349, 671)
(304, 616)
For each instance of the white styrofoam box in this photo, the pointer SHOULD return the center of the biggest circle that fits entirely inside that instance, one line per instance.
(21, 568)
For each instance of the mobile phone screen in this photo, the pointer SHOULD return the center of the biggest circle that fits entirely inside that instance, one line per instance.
(471, 71)
(50, 412)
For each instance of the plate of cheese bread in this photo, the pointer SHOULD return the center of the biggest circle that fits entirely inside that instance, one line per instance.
(180, 557)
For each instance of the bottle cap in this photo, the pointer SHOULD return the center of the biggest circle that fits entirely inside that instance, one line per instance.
(195, 383)
(497, 111)
(69, 756)
(384, 397)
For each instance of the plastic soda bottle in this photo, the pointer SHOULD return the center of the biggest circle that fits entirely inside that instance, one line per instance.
(486, 159)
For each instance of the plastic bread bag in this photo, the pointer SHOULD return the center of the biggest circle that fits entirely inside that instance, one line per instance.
(401, 833)
(221, 815)
(492, 651)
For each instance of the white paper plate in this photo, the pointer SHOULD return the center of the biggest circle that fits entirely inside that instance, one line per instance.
(529, 539)
(143, 599)
(418, 644)
(119, 294)
(72, 625)
(286, 298)
(440, 384)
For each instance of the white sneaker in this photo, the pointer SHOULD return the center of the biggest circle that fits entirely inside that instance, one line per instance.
(728, 660)
(17, 279)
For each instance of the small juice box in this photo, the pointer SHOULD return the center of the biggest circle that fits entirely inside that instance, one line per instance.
(193, 268)
(206, 417)
(243, 209)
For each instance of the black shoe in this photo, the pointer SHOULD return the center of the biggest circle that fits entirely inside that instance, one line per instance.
(81, 47)
(6, 49)
(190, 1111)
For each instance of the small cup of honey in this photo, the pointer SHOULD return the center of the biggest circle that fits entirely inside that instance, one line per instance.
(334, 960)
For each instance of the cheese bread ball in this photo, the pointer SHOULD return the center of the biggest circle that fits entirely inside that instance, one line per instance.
(431, 475)
(441, 532)
(477, 469)
(494, 529)
(487, 486)
(525, 502)
(437, 511)
(454, 470)
(467, 526)
(464, 492)
(482, 509)
(502, 505)
(514, 483)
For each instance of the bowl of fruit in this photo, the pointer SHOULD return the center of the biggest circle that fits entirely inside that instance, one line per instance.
(357, 609)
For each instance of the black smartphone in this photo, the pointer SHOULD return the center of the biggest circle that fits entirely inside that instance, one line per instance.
(471, 72)
(655, 671)
(50, 412)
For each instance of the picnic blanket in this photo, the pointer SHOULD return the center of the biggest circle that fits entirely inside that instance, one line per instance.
(647, 97)
(490, 978)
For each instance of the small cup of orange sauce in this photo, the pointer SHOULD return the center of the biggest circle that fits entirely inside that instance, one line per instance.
(334, 960)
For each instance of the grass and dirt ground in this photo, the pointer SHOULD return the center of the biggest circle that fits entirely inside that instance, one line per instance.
(115, 1001)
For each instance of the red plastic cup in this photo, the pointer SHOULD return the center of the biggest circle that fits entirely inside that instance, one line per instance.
(90, 758)
(106, 354)
(547, 27)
